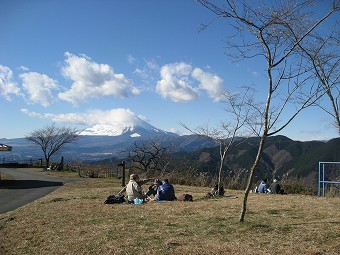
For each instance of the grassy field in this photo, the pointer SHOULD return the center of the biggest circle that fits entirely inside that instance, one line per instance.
(75, 220)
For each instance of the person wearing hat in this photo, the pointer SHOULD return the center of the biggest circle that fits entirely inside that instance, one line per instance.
(153, 188)
(134, 188)
(275, 187)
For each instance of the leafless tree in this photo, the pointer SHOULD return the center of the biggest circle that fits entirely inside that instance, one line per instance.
(51, 139)
(149, 155)
(238, 107)
(323, 54)
(270, 32)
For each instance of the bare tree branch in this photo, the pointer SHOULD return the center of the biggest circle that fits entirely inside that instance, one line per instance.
(51, 139)
(275, 31)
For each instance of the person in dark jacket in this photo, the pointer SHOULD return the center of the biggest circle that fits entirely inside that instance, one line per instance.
(153, 188)
(165, 192)
(216, 192)
(275, 187)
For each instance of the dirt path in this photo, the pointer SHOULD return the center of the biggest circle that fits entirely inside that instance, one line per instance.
(24, 185)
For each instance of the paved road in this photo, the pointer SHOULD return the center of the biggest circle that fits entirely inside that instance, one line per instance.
(25, 186)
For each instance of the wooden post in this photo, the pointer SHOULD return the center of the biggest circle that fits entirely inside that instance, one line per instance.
(122, 164)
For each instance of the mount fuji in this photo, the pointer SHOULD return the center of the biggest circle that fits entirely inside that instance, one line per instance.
(132, 129)
(105, 140)
(121, 122)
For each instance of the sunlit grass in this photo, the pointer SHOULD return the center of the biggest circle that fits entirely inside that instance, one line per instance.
(75, 220)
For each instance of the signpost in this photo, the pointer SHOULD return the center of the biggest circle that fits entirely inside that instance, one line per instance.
(122, 164)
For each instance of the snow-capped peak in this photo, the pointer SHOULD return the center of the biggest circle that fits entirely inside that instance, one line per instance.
(118, 122)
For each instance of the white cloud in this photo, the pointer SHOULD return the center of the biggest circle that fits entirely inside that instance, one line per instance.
(141, 73)
(7, 86)
(24, 68)
(39, 87)
(209, 82)
(70, 118)
(92, 80)
(131, 59)
(181, 82)
(151, 64)
(93, 117)
(179, 132)
(142, 117)
(175, 83)
(97, 122)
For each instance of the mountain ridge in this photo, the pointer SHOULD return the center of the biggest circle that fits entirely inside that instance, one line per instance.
(282, 157)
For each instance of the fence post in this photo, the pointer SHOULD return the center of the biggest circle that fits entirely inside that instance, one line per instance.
(122, 164)
(322, 180)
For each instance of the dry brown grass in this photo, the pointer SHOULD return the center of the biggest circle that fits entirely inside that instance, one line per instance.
(74, 220)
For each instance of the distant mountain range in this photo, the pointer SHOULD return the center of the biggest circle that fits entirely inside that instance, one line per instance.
(281, 157)
(90, 148)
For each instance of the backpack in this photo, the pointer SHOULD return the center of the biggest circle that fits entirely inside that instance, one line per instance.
(185, 197)
(112, 199)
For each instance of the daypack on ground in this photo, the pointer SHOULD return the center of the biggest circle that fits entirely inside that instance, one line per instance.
(112, 199)
(185, 197)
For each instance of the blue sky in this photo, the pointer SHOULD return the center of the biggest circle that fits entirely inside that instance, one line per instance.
(83, 63)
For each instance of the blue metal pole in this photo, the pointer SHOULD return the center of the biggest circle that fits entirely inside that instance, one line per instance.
(319, 179)
(323, 180)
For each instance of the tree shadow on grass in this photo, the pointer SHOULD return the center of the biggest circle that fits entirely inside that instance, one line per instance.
(27, 184)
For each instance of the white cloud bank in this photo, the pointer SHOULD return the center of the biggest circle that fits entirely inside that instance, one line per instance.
(176, 83)
(179, 83)
(7, 86)
(39, 87)
(93, 80)
(92, 117)
(209, 82)
(97, 122)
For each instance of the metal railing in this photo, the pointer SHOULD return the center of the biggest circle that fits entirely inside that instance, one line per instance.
(322, 172)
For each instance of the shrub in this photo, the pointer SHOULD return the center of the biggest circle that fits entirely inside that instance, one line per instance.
(298, 186)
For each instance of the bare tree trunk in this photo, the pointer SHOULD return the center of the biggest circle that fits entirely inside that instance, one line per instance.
(335, 110)
(261, 145)
(220, 171)
(250, 178)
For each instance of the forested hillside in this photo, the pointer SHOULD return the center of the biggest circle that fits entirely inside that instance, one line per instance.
(282, 158)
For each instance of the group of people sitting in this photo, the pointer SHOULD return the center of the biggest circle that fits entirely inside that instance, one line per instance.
(164, 191)
(274, 188)
(158, 191)
(216, 191)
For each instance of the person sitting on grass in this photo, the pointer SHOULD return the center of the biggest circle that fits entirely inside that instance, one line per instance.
(216, 192)
(275, 187)
(134, 188)
(263, 186)
(165, 192)
(153, 188)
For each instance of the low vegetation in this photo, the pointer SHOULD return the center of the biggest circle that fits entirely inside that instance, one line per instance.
(75, 220)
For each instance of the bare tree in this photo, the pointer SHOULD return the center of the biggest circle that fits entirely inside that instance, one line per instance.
(238, 106)
(271, 33)
(150, 155)
(324, 58)
(51, 139)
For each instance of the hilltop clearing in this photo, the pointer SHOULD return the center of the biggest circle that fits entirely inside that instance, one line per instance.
(74, 220)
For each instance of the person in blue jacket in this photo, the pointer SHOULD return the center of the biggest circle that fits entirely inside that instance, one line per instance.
(165, 192)
(263, 186)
